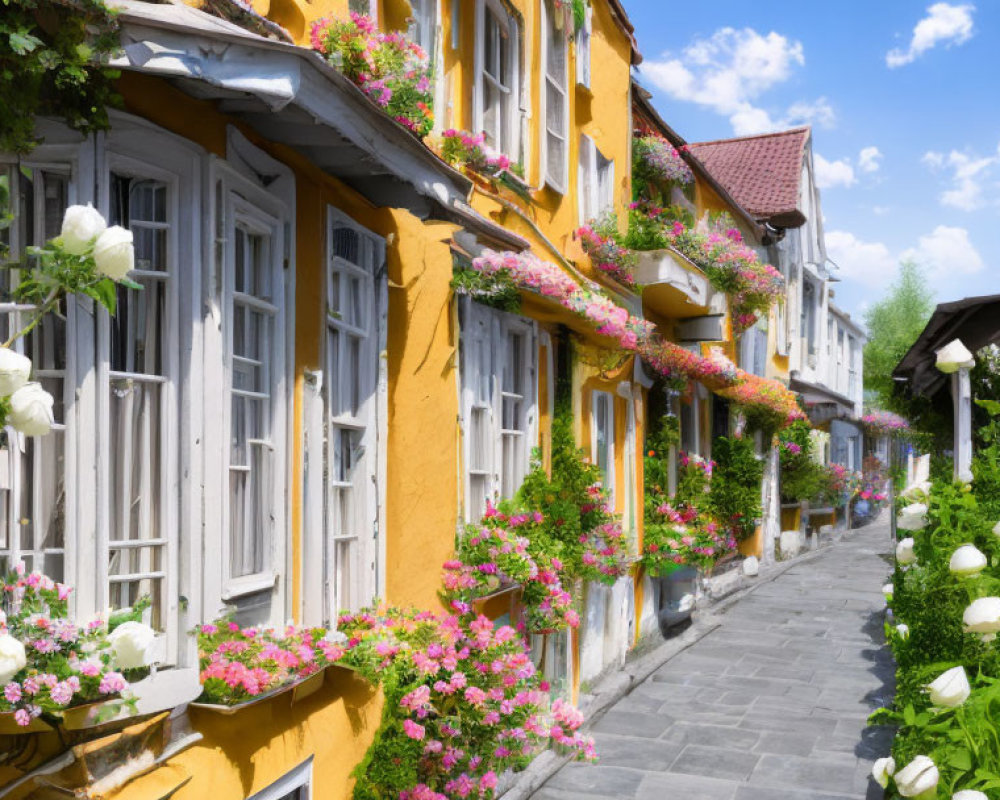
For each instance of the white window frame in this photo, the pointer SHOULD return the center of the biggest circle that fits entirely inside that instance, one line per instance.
(511, 126)
(75, 163)
(595, 182)
(583, 48)
(137, 160)
(556, 175)
(479, 324)
(597, 397)
(423, 28)
(371, 416)
(230, 192)
(298, 778)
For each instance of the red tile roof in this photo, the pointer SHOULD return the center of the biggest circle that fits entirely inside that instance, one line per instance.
(761, 172)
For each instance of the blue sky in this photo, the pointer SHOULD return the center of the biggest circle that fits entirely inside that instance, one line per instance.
(904, 102)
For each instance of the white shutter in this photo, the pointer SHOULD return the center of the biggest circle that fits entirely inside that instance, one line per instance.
(477, 408)
(583, 50)
(605, 184)
(587, 181)
(555, 101)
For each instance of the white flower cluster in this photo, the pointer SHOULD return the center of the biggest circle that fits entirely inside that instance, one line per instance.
(85, 231)
(30, 405)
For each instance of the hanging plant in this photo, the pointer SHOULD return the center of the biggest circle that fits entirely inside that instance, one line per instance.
(52, 61)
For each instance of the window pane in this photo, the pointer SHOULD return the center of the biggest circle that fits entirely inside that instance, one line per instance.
(555, 50)
(251, 331)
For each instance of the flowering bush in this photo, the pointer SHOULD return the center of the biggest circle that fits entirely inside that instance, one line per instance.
(776, 404)
(238, 664)
(463, 703)
(494, 555)
(390, 69)
(470, 150)
(606, 254)
(944, 617)
(655, 159)
(48, 663)
(885, 423)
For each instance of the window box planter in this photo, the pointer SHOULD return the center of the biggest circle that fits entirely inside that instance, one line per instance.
(9, 727)
(673, 284)
(300, 689)
(494, 600)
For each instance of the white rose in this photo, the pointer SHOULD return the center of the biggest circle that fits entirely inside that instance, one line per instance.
(903, 630)
(114, 254)
(15, 369)
(31, 410)
(882, 769)
(81, 225)
(967, 560)
(904, 551)
(917, 777)
(917, 492)
(950, 689)
(953, 356)
(132, 644)
(969, 794)
(887, 591)
(12, 657)
(912, 518)
(983, 616)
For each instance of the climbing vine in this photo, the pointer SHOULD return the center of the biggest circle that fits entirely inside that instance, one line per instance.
(53, 58)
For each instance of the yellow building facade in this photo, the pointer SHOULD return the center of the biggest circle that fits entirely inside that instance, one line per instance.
(316, 438)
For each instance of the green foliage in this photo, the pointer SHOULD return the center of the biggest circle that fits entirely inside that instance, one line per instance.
(801, 476)
(496, 290)
(963, 742)
(52, 57)
(894, 323)
(986, 462)
(736, 480)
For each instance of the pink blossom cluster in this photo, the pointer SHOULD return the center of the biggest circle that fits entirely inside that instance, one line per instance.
(390, 69)
(470, 150)
(67, 664)
(658, 160)
(607, 255)
(495, 554)
(239, 663)
(885, 423)
(527, 271)
(473, 700)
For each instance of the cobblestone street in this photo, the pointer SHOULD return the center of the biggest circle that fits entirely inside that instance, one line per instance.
(770, 706)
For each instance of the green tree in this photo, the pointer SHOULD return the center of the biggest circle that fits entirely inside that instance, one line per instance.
(894, 323)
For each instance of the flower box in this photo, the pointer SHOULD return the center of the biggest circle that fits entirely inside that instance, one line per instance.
(89, 715)
(300, 688)
(9, 726)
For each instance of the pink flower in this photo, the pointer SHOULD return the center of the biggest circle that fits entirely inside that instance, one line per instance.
(412, 729)
(12, 692)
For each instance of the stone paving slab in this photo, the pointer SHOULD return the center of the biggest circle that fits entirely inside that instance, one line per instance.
(772, 705)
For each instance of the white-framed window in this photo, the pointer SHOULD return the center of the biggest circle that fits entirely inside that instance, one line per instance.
(253, 418)
(295, 785)
(499, 374)
(138, 369)
(423, 26)
(555, 100)
(367, 7)
(595, 183)
(497, 79)
(96, 502)
(753, 349)
(582, 45)
(356, 304)
(602, 439)
(33, 469)
(552, 655)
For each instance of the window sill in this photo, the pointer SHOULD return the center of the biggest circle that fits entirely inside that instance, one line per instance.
(248, 584)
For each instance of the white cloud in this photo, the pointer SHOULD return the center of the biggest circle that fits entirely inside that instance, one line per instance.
(830, 174)
(967, 173)
(945, 252)
(730, 70)
(881, 210)
(869, 263)
(869, 158)
(951, 24)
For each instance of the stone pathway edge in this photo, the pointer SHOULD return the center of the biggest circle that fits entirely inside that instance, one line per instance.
(614, 686)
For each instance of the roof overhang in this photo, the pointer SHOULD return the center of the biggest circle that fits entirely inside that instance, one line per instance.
(974, 320)
(291, 96)
(816, 394)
